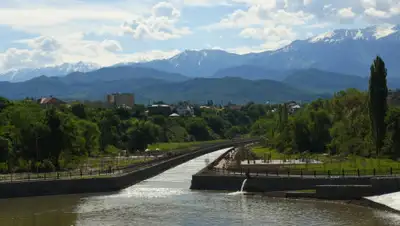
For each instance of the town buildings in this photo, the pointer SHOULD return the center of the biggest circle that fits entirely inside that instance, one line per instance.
(121, 99)
(50, 101)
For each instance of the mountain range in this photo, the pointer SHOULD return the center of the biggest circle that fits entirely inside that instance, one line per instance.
(346, 51)
(303, 70)
(24, 74)
(343, 51)
(153, 85)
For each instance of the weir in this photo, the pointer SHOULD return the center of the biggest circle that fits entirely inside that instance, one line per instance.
(391, 200)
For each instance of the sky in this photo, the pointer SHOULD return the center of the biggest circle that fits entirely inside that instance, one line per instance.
(37, 33)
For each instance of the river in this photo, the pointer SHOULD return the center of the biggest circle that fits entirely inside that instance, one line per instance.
(166, 200)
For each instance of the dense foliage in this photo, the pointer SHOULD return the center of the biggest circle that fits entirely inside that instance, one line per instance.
(35, 137)
(351, 123)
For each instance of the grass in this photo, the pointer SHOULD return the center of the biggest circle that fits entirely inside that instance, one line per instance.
(97, 163)
(353, 163)
(265, 151)
(180, 145)
(335, 164)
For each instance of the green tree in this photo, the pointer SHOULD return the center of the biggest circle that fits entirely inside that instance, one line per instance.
(392, 141)
(377, 104)
(79, 110)
(198, 128)
(141, 134)
(217, 124)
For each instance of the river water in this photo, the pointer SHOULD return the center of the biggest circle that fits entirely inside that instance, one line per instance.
(166, 200)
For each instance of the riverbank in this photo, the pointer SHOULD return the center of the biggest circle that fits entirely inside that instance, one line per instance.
(104, 184)
(323, 187)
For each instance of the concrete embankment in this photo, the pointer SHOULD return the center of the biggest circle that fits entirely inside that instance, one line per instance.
(347, 190)
(325, 187)
(106, 184)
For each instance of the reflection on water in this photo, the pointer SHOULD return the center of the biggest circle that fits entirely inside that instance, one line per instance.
(166, 200)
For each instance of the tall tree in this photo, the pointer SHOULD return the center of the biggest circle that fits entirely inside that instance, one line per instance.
(377, 105)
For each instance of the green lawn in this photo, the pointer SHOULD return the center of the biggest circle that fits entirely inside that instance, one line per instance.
(98, 163)
(353, 163)
(181, 145)
(335, 164)
(265, 151)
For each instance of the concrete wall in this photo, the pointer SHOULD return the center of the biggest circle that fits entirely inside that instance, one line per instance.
(106, 184)
(385, 185)
(326, 188)
(343, 192)
(268, 184)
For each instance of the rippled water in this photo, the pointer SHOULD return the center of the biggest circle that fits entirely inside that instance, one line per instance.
(166, 200)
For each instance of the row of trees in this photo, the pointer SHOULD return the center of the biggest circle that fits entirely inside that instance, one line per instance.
(33, 136)
(352, 122)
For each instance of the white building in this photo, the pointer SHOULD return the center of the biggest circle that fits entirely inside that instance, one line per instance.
(184, 110)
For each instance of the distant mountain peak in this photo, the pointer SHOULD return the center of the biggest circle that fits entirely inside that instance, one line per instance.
(23, 74)
(369, 33)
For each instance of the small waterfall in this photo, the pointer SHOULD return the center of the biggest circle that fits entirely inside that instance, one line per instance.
(241, 189)
(243, 184)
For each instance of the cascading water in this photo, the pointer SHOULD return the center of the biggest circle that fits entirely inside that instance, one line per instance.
(241, 191)
(243, 184)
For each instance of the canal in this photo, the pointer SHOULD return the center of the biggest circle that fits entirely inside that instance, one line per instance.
(167, 200)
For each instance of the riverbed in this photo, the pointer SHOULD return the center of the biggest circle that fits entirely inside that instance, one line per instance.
(167, 200)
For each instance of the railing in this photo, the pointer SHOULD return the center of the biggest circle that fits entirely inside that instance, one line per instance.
(310, 173)
(111, 170)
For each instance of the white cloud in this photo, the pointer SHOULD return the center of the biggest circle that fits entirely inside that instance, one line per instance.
(269, 33)
(73, 49)
(64, 27)
(203, 3)
(59, 18)
(265, 14)
(111, 45)
(161, 25)
(43, 43)
(346, 13)
(165, 9)
(20, 58)
(377, 13)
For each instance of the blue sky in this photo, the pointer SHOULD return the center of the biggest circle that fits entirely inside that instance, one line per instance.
(47, 32)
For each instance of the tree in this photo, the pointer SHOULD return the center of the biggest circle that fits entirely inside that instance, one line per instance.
(141, 134)
(5, 149)
(377, 103)
(79, 110)
(55, 137)
(217, 124)
(199, 129)
(392, 141)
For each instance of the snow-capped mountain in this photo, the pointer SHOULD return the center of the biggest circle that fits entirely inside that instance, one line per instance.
(202, 63)
(348, 51)
(20, 75)
(368, 34)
